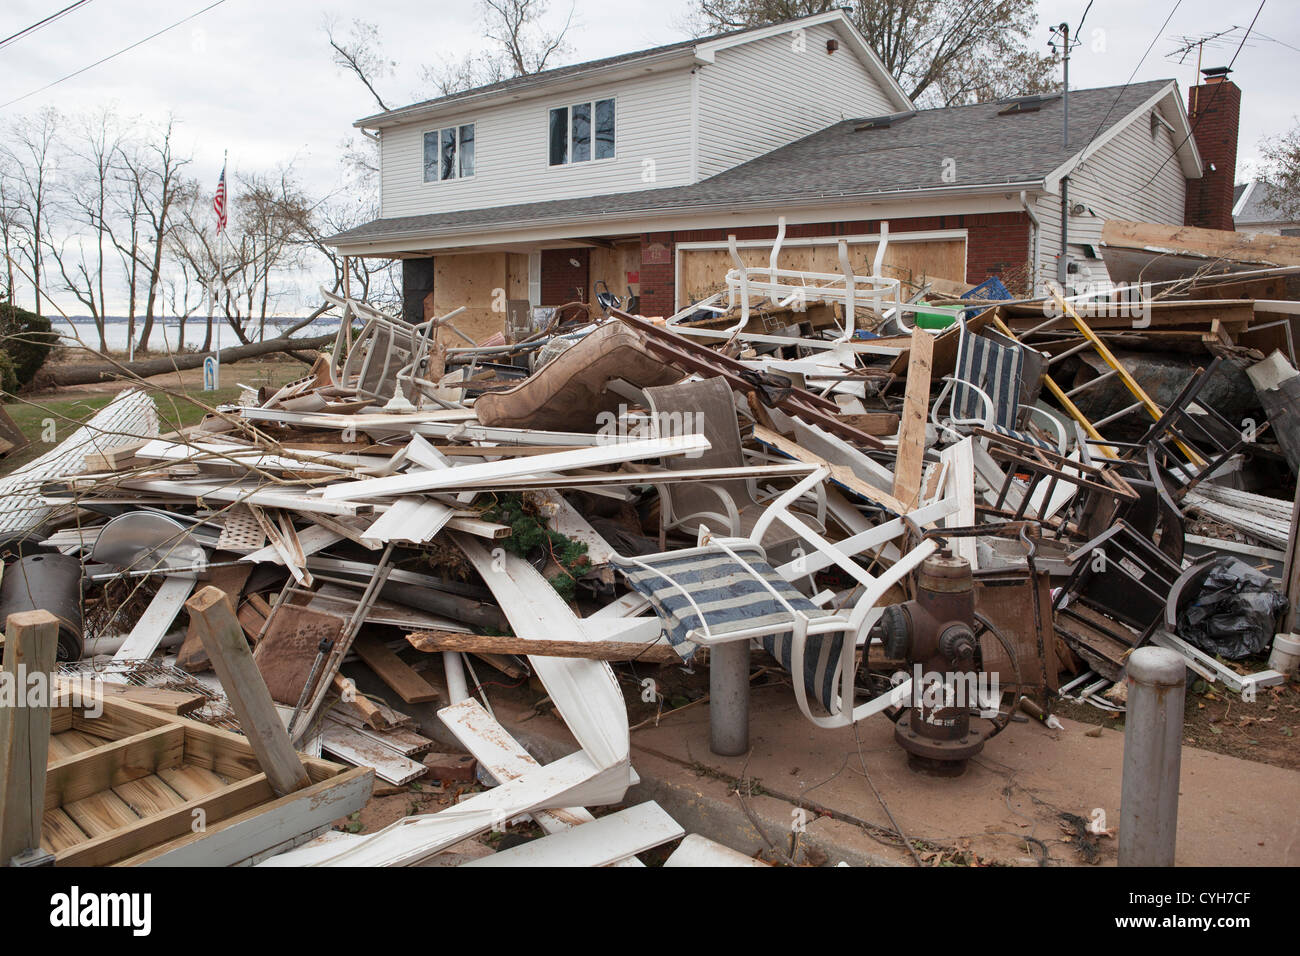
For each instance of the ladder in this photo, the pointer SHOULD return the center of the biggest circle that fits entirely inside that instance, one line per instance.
(1091, 340)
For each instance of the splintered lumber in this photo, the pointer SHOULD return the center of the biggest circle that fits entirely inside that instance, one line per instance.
(1214, 244)
(31, 643)
(655, 652)
(911, 432)
(395, 672)
(224, 641)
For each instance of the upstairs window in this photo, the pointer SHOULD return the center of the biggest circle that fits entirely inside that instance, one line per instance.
(449, 153)
(582, 132)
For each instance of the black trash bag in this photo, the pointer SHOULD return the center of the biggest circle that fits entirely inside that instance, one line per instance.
(1235, 613)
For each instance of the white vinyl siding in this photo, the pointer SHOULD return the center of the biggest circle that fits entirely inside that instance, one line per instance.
(761, 95)
(653, 149)
(1116, 183)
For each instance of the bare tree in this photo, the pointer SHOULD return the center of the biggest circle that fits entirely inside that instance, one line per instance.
(153, 174)
(86, 200)
(359, 53)
(1281, 170)
(31, 155)
(943, 52)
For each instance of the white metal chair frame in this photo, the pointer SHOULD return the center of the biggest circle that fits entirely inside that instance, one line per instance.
(855, 627)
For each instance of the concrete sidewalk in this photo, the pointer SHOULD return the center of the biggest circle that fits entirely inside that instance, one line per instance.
(1006, 808)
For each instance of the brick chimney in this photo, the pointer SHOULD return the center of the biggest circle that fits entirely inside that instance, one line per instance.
(1214, 109)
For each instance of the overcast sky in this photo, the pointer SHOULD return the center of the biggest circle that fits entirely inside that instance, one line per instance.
(255, 76)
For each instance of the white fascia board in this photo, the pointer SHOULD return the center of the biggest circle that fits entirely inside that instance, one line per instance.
(950, 200)
(640, 66)
(707, 52)
(1167, 102)
(1245, 197)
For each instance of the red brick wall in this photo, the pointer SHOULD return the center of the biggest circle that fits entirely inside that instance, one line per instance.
(1215, 118)
(562, 281)
(997, 243)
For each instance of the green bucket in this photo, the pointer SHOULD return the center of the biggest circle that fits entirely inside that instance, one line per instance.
(937, 316)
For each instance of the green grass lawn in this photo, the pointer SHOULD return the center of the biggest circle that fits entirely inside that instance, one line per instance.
(34, 416)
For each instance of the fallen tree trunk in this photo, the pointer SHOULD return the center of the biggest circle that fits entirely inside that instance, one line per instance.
(108, 371)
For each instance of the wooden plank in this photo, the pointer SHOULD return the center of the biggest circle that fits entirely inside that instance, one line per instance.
(31, 644)
(111, 764)
(60, 832)
(395, 672)
(911, 431)
(191, 782)
(224, 641)
(239, 838)
(168, 701)
(135, 835)
(1291, 574)
(149, 795)
(101, 814)
(1204, 243)
(655, 652)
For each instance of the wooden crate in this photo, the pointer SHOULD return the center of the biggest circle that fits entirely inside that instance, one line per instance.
(135, 785)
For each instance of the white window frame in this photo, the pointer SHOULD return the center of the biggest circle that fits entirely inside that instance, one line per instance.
(437, 130)
(569, 161)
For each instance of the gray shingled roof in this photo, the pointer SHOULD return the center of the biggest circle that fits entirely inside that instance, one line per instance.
(1260, 204)
(839, 163)
(558, 72)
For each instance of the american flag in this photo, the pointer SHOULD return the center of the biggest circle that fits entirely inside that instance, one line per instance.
(219, 203)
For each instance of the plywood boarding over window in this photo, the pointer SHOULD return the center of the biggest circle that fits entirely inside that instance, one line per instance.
(480, 281)
(702, 271)
(614, 265)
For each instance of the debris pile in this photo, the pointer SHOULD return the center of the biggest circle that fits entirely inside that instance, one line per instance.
(859, 481)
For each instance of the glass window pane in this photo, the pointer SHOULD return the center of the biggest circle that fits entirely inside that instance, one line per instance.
(431, 157)
(467, 150)
(582, 132)
(604, 129)
(449, 153)
(559, 137)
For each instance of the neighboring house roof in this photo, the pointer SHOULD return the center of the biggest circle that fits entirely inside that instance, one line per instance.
(1257, 202)
(990, 150)
(684, 52)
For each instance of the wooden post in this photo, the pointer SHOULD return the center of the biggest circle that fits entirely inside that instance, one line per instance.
(224, 641)
(911, 431)
(31, 644)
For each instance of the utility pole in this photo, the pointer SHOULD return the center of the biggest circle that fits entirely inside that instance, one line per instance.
(1063, 260)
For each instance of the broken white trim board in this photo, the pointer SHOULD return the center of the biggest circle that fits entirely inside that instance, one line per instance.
(599, 843)
(571, 780)
(356, 748)
(585, 692)
(467, 475)
(504, 758)
(410, 519)
(154, 622)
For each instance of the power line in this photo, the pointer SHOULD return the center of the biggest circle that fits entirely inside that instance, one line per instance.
(1201, 112)
(41, 23)
(111, 56)
(1127, 83)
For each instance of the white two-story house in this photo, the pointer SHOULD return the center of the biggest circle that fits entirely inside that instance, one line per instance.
(633, 170)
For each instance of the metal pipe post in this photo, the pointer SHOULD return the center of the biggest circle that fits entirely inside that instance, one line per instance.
(1153, 742)
(729, 698)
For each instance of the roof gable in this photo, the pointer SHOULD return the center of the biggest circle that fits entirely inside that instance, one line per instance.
(682, 54)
